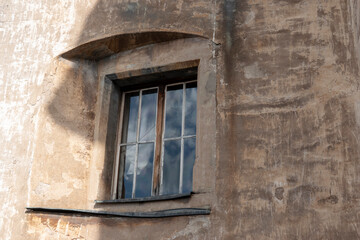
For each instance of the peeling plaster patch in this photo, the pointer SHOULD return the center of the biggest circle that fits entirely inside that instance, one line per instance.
(70, 19)
(249, 17)
(194, 226)
(49, 148)
(58, 191)
(48, 127)
(81, 153)
(54, 229)
(179, 5)
(279, 183)
(279, 193)
(357, 113)
(3, 187)
(7, 209)
(77, 183)
(42, 188)
(254, 71)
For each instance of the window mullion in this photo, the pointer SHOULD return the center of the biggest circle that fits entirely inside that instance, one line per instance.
(158, 141)
(137, 144)
(153, 178)
(182, 140)
(163, 122)
(117, 180)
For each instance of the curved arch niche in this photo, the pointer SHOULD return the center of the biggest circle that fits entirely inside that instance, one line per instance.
(105, 47)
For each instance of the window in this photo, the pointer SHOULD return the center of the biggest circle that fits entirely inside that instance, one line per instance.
(156, 149)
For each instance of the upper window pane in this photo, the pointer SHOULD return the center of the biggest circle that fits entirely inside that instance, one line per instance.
(131, 109)
(190, 108)
(173, 112)
(148, 115)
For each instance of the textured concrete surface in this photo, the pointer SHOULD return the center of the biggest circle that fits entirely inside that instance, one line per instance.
(286, 162)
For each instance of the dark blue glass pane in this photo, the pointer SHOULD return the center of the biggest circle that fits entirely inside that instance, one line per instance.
(189, 160)
(173, 117)
(131, 109)
(128, 157)
(190, 109)
(171, 168)
(148, 115)
(144, 170)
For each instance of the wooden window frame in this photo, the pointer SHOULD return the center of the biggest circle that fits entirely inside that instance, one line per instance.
(117, 190)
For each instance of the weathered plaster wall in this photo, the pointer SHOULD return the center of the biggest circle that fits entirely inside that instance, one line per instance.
(288, 101)
(32, 33)
(288, 116)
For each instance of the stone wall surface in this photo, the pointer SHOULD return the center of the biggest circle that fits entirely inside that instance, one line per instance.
(287, 117)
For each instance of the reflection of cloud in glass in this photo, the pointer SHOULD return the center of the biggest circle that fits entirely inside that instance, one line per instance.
(129, 169)
(171, 167)
(131, 109)
(174, 99)
(145, 157)
(144, 170)
(190, 109)
(130, 159)
(172, 149)
(189, 159)
(148, 115)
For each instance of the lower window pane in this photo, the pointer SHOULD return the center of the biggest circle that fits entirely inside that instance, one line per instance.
(189, 159)
(144, 170)
(171, 167)
(128, 157)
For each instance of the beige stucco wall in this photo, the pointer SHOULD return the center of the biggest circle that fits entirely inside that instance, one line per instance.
(287, 117)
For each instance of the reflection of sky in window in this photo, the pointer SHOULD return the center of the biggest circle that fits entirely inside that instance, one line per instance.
(174, 99)
(148, 115)
(144, 170)
(189, 159)
(129, 155)
(131, 109)
(190, 109)
(171, 167)
(172, 148)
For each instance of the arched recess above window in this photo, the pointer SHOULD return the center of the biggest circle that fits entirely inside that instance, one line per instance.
(108, 46)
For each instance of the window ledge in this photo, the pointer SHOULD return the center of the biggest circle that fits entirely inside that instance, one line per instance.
(154, 214)
(145, 199)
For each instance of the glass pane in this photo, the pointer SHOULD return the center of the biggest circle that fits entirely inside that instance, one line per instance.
(190, 109)
(148, 115)
(144, 170)
(131, 109)
(189, 159)
(171, 168)
(127, 156)
(174, 99)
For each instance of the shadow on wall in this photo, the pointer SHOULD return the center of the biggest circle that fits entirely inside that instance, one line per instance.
(73, 103)
(142, 23)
